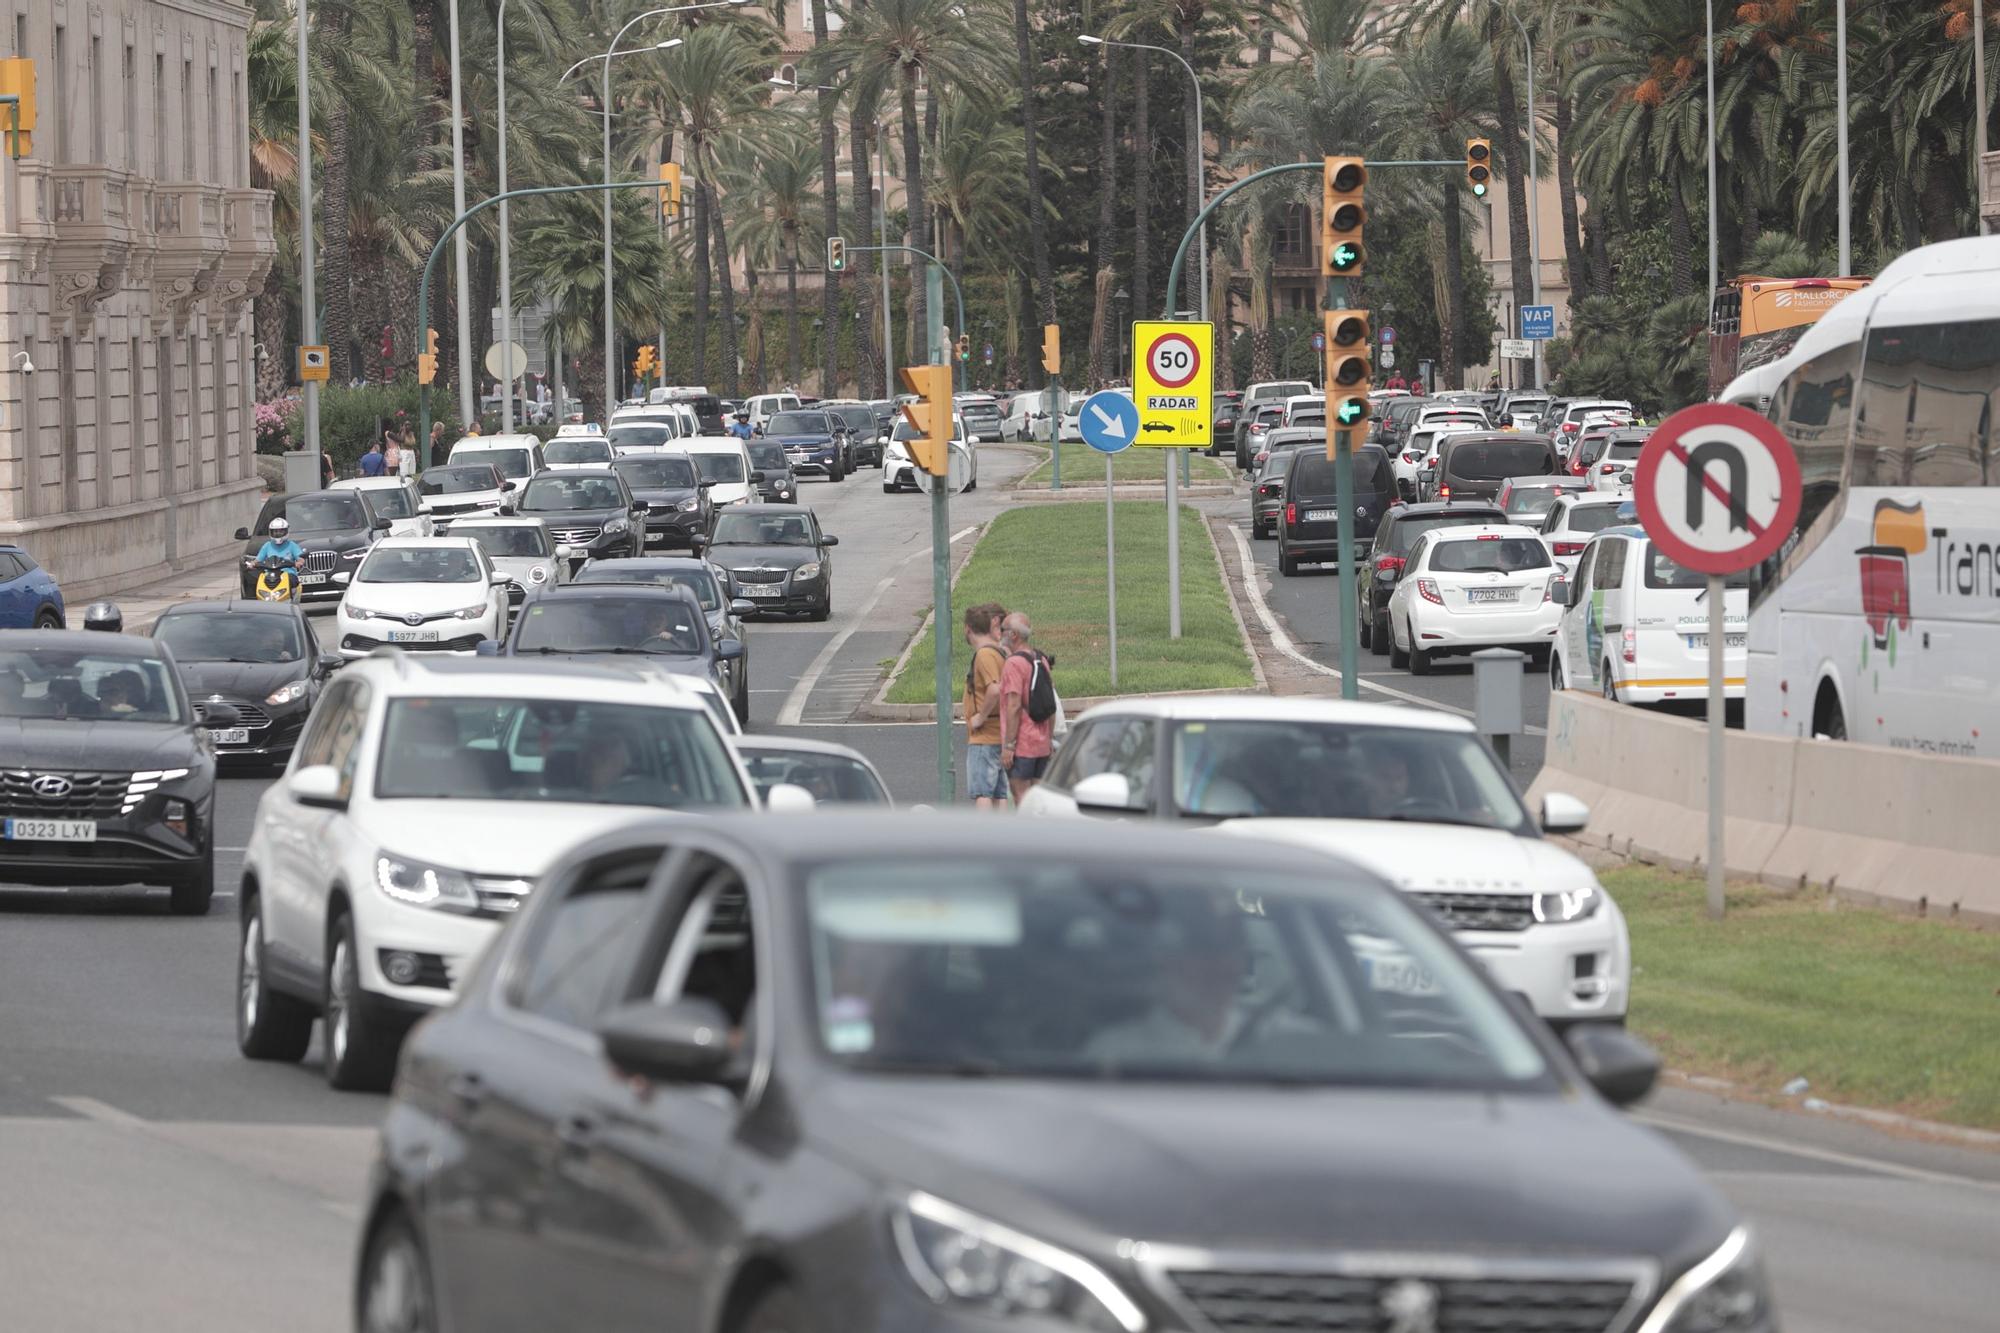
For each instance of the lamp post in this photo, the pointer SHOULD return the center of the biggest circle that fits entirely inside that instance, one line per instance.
(1714, 265)
(1840, 116)
(468, 372)
(308, 307)
(506, 240)
(1534, 184)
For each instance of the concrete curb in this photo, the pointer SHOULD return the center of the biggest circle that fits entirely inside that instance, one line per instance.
(1888, 1122)
(1236, 608)
(1137, 490)
(875, 711)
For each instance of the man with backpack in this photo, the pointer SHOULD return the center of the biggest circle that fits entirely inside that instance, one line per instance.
(985, 778)
(1028, 707)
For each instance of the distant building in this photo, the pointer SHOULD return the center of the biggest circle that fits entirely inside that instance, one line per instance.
(130, 249)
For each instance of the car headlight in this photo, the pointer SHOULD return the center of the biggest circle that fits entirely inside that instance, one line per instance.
(286, 694)
(420, 884)
(806, 573)
(1724, 1293)
(617, 525)
(363, 613)
(689, 506)
(539, 574)
(1567, 905)
(471, 612)
(962, 1260)
(355, 554)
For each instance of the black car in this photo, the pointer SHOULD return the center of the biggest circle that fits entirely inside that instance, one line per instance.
(1472, 465)
(777, 556)
(334, 529)
(590, 510)
(775, 480)
(1309, 524)
(666, 626)
(759, 1073)
(1267, 493)
(1377, 577)
(714, 592)
(864, 431)
(109, 773)
(815, 442)
(676, 498)
(260, 659)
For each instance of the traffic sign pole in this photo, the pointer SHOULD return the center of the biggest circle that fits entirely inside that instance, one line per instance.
(1111, 568)
(1717, 723)
(1343, 501)
(1109, 421)
(1173, 549)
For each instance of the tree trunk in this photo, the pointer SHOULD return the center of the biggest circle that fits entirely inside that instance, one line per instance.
(1191, 119)
(1580, 277)
(1038, 225)
(1218, 305)
(703, 276)
(336, 267)
(1012, 338)
(1680, 240)
(1454, 277)
(371, 307)
(829, 189)
(792, 312)
(1142, 188)
(1105, 243)
(865, 277)
(274, 317)
(1262, 365)
(919, 207)
(1520, 253)
(1600, 258)
(718, 234)
(753, 335)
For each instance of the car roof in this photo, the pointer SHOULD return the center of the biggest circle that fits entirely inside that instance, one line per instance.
(1477, 436)
(74, 640)
(584, 592)
(599, 470)
(471, 443)
(711, 444)
(1558, 481)
(1442, 507)
(414, 543)
(1266, 708)
(368, 483)
(768, 509)
(794, 744)
(515, 677)
(233, 606)
(653, 562)
(499, 521)
(658, 451)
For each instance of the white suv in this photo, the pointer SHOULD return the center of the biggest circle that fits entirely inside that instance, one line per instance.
(423, 801)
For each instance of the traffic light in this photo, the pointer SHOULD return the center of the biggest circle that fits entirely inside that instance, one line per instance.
(930, 416)
(670, 189)
(1347, 371)
(17, 78)
(836, 254)
(1052, 348)
(645, 362)
(965, 347)
(427, 360)
(1342, 216)
(1478, 166)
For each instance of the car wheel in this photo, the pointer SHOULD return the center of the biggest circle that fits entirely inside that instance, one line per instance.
(824, 609)
(1539, 658)
(395, 1292)
(776, 1311)
(47, 618)
(1364, 629)
(269, 1026)
(835, 472)
(740, 702)
(360, 1057)
(1610, 683)
(1399, 656)
(1287, 564)
(196, 886)
(1556, 685)
(888, 487)
(1379, 635)
(1420, 658)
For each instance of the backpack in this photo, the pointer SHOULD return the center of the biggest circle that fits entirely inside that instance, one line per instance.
(1041, 701)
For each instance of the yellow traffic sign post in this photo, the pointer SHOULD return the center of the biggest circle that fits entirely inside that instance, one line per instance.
(1173, 384)
(313, 365)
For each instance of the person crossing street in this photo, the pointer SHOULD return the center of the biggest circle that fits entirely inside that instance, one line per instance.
(1028, 707)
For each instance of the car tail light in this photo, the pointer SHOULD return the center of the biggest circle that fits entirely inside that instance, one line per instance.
(1409, 458)
(1569, 548)
(1569, 427)
(1631, 645)
(1606, 470)
(1444, 492)
(1291, 515)
(1487, 537)
(1428, 588)
(1392, 563)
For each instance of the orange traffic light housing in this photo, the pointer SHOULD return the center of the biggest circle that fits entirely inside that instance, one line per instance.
(1343, 213)
(1348, 371)
(670, 189)
(1052, 348)
(17, 79)
(427, 360)
(929, 416)
(1478, 166)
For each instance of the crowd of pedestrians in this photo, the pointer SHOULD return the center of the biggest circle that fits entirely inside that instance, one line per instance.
(1011, 706)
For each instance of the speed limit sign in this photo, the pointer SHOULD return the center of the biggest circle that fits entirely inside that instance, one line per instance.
(1173, 383)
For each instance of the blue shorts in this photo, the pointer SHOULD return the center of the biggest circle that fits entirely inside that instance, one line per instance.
(982, 772)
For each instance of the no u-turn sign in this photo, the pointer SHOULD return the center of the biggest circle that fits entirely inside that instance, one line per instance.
(1717, 487)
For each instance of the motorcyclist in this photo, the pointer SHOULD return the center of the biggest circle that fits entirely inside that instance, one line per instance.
(279, 546)
(740, 427)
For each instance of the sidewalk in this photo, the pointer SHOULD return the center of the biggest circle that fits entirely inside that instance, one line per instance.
(142, 603)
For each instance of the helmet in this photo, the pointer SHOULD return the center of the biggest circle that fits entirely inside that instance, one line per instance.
(279, 527)
(105, 616)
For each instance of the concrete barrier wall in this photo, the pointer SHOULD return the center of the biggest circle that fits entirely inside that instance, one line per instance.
(1873, 824)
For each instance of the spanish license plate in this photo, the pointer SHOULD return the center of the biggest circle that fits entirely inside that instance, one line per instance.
(1322, 515)
(413, 636)
(311, 578)
(1489, 595)
(49, 830)
(229, 735)
(1728, 640)
(1399, 976)
(763, 589)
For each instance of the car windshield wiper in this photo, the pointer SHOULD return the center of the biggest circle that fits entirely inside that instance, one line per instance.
(1407, 817)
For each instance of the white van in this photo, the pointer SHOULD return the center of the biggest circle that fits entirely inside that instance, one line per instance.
(1027, 417)
(516, 457)
(656, 427)
(725, 461)
(761, 406)
(1636, 625)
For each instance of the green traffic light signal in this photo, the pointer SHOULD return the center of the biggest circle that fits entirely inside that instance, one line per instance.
(1346, 255)
(1349, 412)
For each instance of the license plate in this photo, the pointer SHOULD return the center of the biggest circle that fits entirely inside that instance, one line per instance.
(230, 735)
(413, 636)
(1399, 976)
(1728, 640)
(763, 589)
(1489, 595)
(49, 830)
(1322, 515)
(312, 578)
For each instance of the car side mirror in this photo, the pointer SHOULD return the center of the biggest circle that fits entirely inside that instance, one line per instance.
(1563, 813)
(510, 485)
(1428, 474)
(318, 786)
(704, 485)
(1104, 793)
(729, 649)
(486, 648)
(1620, 1066)
(1559, 591)
(642, 506)
(506, 510)
(742, 606)
(381, 525)
(242, 534)
(788, 798)
(686, 1041)
(327, 664)
(829, 541)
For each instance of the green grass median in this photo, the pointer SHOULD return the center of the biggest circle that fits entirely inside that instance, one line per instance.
(1872, 1009)
(1048, 560)
(1084, 466)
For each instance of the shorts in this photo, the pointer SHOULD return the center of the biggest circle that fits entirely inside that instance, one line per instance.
(982, 773)
(1029, 768)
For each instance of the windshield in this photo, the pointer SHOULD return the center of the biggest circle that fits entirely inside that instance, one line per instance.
(1489, 555)
(698, 581)
(555, 750)
(657, 474)
(392, 502)
(1591, 518)
(860, 418)
(833, 779)
(767, 456)
(778, 529)
(200, 636)
(577, 450)
(1404, 532)
(1624, 451)
(1530, 502)
(1662, 572)
(645, 623)
(559, 493)
(798, 423)
(1491, 460)
(1278, 464)
(68, 685)
(1031, 968)
(719, 468)
(905, 431)
(326, 511)
(459, 480)
(419, 564)
(521, 539)
(510, 463)
(636, 436)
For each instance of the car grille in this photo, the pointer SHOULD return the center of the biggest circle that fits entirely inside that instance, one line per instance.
(464, 643)
(90, 796)
(249, 715)
(1386, 1303)
(321, 562)
(1481, 911)
(468, 508)
(574, 536)
(760, 575)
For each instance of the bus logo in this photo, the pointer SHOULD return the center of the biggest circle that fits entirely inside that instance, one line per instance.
(1885, 569)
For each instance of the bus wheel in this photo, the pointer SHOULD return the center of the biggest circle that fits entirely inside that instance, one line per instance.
(1829, 722)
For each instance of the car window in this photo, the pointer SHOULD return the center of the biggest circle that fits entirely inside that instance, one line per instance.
(583, 947)
(798, 423)
(833, 779)
(200, 636)
(10, 568)
(574, 449)
(698, 581)
(335, 727)
(719, 468)
(1590, 518)
(1404, 533)
(1526, 503)
(420, 564)
(512, 464)
(619, 623)
(458, 479)
(325, 511)
(1611, 564)
(1490, 460)
(78, 685)
(656, 473)
(763, 530)
(1489, 555)
(392, 502)
(640, 435)
(1120, 745)
(1663, 572)
(520, 540)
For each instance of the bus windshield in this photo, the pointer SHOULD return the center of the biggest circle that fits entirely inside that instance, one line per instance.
(1758, 320)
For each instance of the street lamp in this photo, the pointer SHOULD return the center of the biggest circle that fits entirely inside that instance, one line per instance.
(1534, 184)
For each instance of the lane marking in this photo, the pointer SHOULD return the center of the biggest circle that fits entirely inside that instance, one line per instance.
(92, 1109)
(1827, 1155)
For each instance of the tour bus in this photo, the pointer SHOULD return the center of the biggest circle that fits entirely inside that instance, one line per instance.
(1755, 321)
(1878, 620)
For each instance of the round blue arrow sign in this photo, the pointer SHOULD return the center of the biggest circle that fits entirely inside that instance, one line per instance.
(1110, 421)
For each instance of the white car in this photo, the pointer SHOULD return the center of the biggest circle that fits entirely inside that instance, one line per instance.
(514, 457)
(1612, 470)
(1634, 625)
(567, 452)
(1576, 518)
(723, 461)
(422, 804)
(761, 406)
(395, 498)
(1410, 793)
(432, 594)
(1468, 588)
(1566, 427)
(525, 557)
(897, 469)
(453, 491)
(653, 427)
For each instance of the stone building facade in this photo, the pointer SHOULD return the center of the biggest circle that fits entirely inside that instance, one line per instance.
(131, 245)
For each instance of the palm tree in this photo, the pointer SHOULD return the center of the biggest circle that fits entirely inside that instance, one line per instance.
(778, 186)
(1038, 227)
(271, 80)
(559, 256)
(975, 180)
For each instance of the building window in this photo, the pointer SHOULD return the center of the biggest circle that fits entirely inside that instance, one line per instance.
(214, 133)
(1292, 231)
(97, 153)
(66, 450)
(163, 375)
(100, 382)
(235, 125)
(131, 108)
(62, 95)
(188, 158)
(160, 118)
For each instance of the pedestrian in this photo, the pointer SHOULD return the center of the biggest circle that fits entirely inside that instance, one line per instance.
(372, 461)
(1028, 706)
(409, 468)
(1396, 381)
(437, 441)
(984, 780)
(392, 454)
(325, 469)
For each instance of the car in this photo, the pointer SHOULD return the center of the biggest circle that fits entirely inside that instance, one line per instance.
(1267, 493)
(577, 451)
(260, 660)
(893, 1069)
(1228, 405)
(761, 406)
(451, 491)
(1282, 438)
(982, 416)
(713, 589)
(1309, 525)
(643, 429)
(109, 776)
(1612, 467)
(1469, 588)
(1300, 405)
(1585, 446)
(1566, 417)
(1472, 465)
(898, 471)
(1378, 575)
(29, 597)
(678, 512)
(834, 774)
(1413, 793)
(1522, 410)
(1420, 451)
(1255, 423)
(514, 457)
(1264, 393)
(593, 512)
(1634, 625)
(523, 554)
(423, 804)
(723, 462)
(663, 624)
(1027, 417)
(1529, 499)
(395, 498)
(772, 472)
(1395, 418)
(864, 431)
(777, 557)
(1571, 521)
(334, 530)
(815, 441)
(426, 594)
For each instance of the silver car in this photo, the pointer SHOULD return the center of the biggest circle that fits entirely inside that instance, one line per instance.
(522, 552)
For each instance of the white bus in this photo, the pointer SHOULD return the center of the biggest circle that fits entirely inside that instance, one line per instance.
(1879, 619)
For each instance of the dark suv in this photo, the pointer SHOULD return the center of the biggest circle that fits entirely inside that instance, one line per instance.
(1472, 466)
(591, 511)
(1383, 570)
(1309, 524)
(815, 441)
(334, 529)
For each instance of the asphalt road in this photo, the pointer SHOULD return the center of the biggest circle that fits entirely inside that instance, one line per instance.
(153, 1179)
